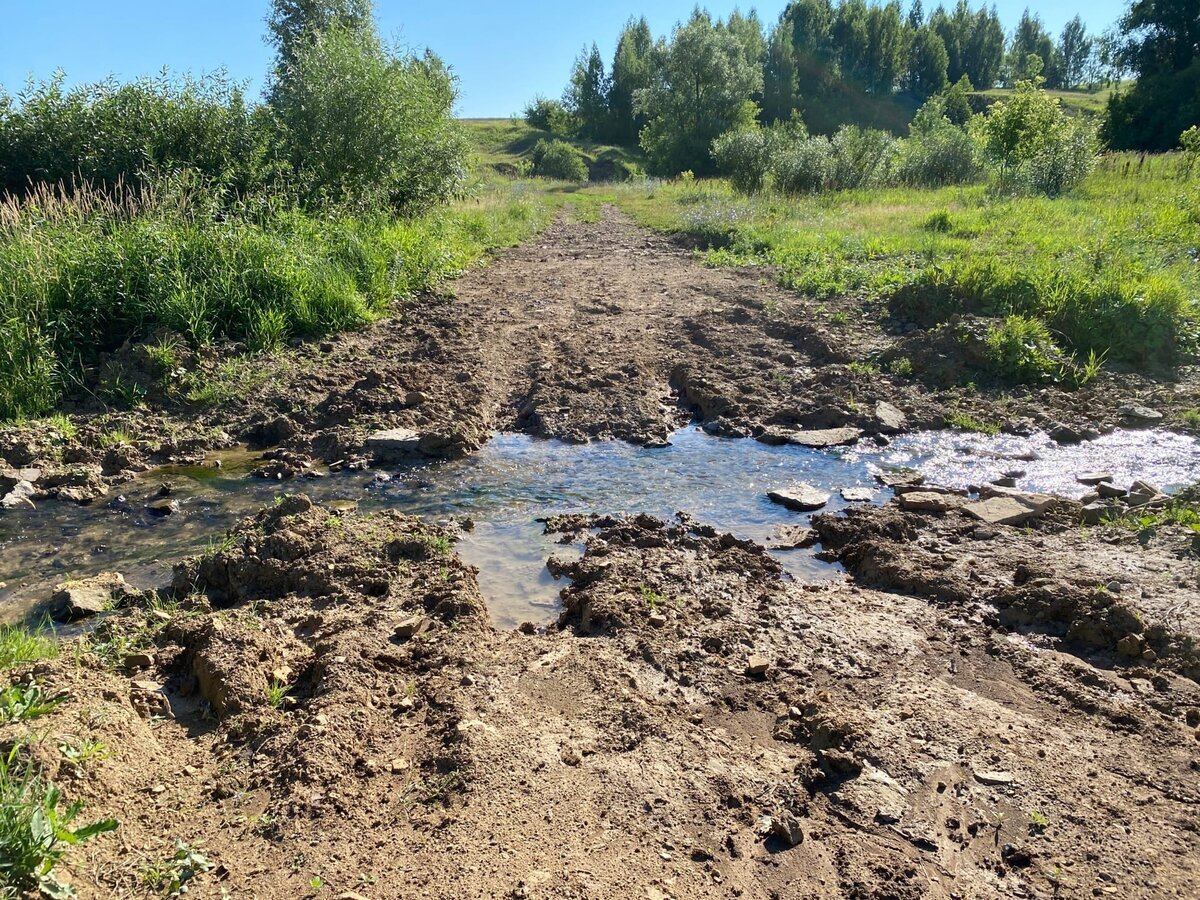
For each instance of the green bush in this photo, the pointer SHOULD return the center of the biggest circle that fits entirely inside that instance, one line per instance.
(937, 152)
(108, 133)
(863, 157)
(549, 115)
(558, 160)
(805, 167)
(366, 127)
(1021, 349)
(744, 155)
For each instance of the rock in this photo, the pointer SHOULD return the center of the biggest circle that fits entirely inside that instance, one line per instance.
(929, 501)
(895, 478)
(413, 626)
(393, 443)
(1006, 481)
(571, 756)
(1064, 434)
(1108, 490)
(1010, 508)
(1130, 646)
(657, 620)
(414, 398)
(1140, 415)
(787, 828)
(792, 537)
(825, 437)
(164, 507)
(800, 497)
(757, 665)
(1095, 513)
(1144, 487)
(857, 494)
(139, 660)
(20, 494)
(888, 418)
(74, 600)
(994, 778)
(1093, 478)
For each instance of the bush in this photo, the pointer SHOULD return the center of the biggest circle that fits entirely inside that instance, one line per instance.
(549, 115)
(744, 154)
(804, 167)
(1021, 349)
(863, 157)
(937, 152)
(1066, 158)
(1189, 141)
(558, 160)
(108, 133)
(368, 128)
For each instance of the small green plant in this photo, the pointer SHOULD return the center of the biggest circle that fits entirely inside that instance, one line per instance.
(114, 438)
(651, 597)
(901, 365)
(21, 644)
(966, 422)
(35, 830)
(1038, 822)
(87, 751)
(171, 877)
(938, 221)
(21, 702)
(437, 545)
(276, 691)
(865, 367)
(1190, 417)
(316, 883)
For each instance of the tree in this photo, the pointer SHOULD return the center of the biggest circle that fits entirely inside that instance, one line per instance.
(1031, 39)
(1159, 41)
(294, 24)
(780, 95)
(586, 98)
(927, 63)
(631, 72)
(1074, 50)
(702, 89)
(748, 31)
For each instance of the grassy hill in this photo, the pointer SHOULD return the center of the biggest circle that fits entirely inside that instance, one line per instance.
(503, 144)
(1074, 102)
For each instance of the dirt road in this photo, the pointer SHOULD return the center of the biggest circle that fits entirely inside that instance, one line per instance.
(326, 710)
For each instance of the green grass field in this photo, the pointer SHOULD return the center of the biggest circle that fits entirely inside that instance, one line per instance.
(502, 145)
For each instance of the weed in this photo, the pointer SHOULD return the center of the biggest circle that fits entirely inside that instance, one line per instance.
(276, 692)
(966, 422)
(938, 220)
(437, 545)
(1038, 822)
(21, 702)
(1190, 417)
(865, 367)
(34, 831)
(171, 876)
(115, 438)
(901, 365)
(651, 597)
(87, 751)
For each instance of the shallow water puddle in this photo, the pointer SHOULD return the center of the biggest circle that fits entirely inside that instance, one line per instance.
(515, 479)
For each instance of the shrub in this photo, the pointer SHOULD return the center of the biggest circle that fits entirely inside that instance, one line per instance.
(1189, 141)
(548, 115)
(1064, 161)
(937, 152)
(744, 154)
(366, 127)
(108, 133)
(558, 160)
(1021, 349)
(863, 157)
(804, 167)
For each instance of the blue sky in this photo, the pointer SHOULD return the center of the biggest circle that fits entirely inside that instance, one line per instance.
(503, 52)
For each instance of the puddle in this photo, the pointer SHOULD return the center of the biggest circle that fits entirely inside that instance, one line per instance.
(516, 479)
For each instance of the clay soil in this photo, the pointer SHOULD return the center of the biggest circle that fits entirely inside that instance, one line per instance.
(320, 706)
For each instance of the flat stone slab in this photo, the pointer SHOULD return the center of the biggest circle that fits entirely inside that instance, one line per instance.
(858, 494)
(1137, 413)
(889, 418)
(1009, 508)
(929, 501)
(1093, 478)
(394, 442)
(818, 438)
(800, 497)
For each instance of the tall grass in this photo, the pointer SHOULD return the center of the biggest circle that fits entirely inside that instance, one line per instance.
(81, 273)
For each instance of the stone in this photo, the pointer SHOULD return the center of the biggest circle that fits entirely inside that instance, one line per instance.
(1006, 481)
(929, 501)
(139, 660)
(888, 418)
(74, 600)
(414, 398)
(163, 507)
(1095, 513)
(757, 665)
(894, 478)
(786, 827)
(1109, 491)
(800, 497)
(1093, 478)
(818, 438)
(393, 443)
(1013, 508)
(1135, 413)
(657, 620)
(413, 626)
(1064, 434)
(1130, 646)
(857, 494)
(571, 756)
(21, 494)
(994, 778)
(1144, 487)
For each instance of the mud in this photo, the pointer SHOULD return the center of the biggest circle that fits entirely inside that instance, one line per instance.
(320, 705)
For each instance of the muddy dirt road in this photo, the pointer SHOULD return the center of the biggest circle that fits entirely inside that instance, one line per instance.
(320, 706)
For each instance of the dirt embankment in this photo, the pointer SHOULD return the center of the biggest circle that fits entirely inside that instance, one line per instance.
(325, 711)
(588, 331)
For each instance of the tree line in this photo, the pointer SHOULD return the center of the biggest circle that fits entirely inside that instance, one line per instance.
(835, 62)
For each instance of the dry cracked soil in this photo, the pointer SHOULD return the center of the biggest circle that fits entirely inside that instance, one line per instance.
(320, 707)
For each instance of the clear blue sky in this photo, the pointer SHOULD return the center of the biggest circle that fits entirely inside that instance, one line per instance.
(503, 52)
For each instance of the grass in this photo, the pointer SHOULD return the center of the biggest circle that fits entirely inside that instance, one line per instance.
(1075, 102)
(966, 422)
(82, 279)
(1107, 270)
(506, 145)
(35, 829)
(22, 702)
(24, 644)
(171, 877)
